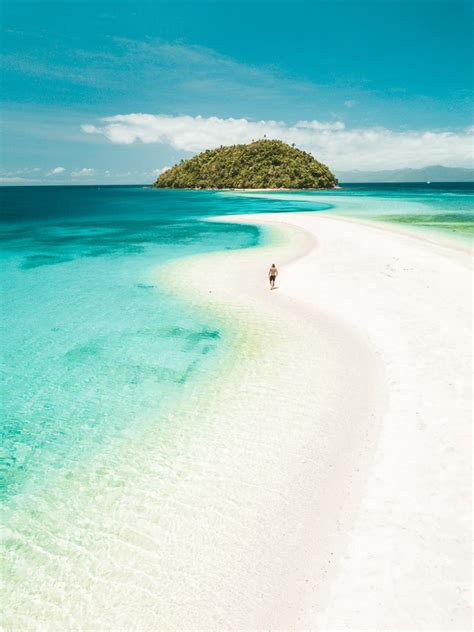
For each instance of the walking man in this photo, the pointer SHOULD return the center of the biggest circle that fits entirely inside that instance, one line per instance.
(272, 275)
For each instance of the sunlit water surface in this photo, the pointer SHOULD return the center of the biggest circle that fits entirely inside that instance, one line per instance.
(95, 352)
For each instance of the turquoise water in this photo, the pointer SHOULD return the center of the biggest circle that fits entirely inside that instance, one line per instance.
(448, 208)
(89, 341)
(95, 351)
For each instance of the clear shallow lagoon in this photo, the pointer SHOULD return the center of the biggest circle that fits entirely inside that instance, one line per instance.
(94, 352)
(448, 207)
(90, 344)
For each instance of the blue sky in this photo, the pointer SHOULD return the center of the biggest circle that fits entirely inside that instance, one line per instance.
(114, 91)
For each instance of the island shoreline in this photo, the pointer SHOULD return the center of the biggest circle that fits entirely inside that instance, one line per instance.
(246, 190)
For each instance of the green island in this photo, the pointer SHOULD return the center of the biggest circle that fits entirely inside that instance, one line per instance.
(262, 164)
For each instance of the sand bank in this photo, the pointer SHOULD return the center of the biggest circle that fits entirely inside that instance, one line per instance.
(318, 478)
(358, 396)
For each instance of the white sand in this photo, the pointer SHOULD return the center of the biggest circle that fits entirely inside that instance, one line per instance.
(321, 481)
(355, 429)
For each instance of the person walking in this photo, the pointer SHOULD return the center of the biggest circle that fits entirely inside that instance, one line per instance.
(272, 275)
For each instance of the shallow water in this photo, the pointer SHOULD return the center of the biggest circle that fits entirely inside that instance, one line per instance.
(445, 207)
(97, 354)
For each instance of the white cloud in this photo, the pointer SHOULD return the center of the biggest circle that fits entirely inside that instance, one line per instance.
(350, 103)
(20, 172)
(12, 180)
(337, 125)
(158, 172)
(56, 171)
(330, 142)
(83, 172)
(88, 129)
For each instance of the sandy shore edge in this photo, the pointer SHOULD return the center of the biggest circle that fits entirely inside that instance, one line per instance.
(315, 477)
(393, 552)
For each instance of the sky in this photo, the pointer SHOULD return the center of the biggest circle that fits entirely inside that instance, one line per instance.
(116, 91)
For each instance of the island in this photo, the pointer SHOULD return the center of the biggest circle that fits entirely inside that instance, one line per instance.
(262, 164)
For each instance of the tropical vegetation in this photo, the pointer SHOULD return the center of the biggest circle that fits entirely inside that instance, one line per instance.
(262, 164)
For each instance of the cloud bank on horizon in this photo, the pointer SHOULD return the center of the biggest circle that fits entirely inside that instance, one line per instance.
(56, 171)
(341, 148)
(384, 105)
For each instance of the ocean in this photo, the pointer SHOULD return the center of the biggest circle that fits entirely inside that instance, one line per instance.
(96, 354)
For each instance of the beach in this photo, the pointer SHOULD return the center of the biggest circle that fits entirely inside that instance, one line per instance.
(352, 428)
(226, 457)
(189, 441)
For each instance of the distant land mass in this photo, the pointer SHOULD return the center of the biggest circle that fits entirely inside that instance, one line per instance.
(262, 164)
(435, 173)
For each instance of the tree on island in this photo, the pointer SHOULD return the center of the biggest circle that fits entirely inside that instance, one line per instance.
(262, 164)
